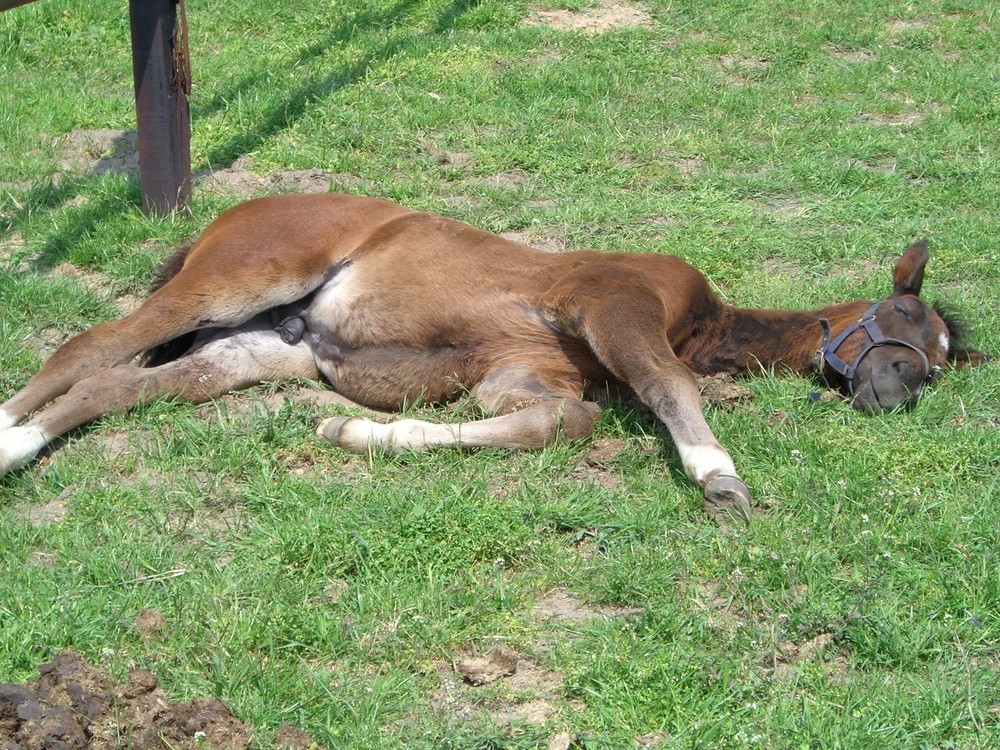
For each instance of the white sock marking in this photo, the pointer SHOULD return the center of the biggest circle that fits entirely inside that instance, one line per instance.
(363, 435)
(18, 445)
(701, 462)
(6, 420)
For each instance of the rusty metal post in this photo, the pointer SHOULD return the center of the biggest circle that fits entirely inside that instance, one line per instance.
(162, 82)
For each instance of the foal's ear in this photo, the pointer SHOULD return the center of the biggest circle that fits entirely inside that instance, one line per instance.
(909, 272)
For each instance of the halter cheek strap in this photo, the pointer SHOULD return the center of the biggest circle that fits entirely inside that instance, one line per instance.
(826, 355)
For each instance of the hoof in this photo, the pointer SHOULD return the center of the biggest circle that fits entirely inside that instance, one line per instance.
(330, 429)
(727, 500)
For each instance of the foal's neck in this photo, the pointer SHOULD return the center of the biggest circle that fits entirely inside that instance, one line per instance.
(742, 340)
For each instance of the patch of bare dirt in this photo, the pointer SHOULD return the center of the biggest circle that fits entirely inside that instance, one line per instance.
(461, 201)
(722, 613)
(775, 265)
(53, 511)
(540, 239)
(117, 443)
(99, 285)
(851, 55)
(245, 183)
(900, 120)
(690, 166)
(897, 26)
(521, 690)
(449, 158)
(651, 740)
(595, 465)
(75, 706)
(116, 151)
(99, 151)
(316, 397)
(820, 649)
(785, 209)
(611, 14)
(482, 670)
(738, 69)
(290, 737)
(149, 623)
(723, 390)
(11, 244)
(507, 180)
(239, 179)
(562, 606)
(882, 166)
(42, 560)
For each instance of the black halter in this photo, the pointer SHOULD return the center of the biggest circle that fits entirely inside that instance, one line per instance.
(826, 355)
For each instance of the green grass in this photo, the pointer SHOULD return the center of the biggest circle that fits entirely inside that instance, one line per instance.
(789, 149)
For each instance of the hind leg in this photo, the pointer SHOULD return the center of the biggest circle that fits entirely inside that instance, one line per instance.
(533, 413)
(227, 360)
(534, 426)
(200, 296)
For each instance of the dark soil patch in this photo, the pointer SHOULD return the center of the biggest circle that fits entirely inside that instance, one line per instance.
(292, 738)
(75, 706)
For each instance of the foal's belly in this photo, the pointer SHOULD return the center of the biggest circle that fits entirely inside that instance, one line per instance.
(395, 376)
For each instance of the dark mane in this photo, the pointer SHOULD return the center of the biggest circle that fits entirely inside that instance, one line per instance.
(957, 328)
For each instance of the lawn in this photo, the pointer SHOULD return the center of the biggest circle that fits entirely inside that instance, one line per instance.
(789, 149)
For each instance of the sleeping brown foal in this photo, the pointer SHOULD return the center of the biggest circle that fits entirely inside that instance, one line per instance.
(391, 305)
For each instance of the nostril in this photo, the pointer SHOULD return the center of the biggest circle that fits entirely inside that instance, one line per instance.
(903, 367)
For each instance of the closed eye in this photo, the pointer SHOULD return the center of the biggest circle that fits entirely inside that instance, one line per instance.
(902, 311)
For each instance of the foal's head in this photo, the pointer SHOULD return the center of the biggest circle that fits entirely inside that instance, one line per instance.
(898, 346)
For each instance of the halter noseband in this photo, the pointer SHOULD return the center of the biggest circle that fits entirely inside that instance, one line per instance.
(826, 355)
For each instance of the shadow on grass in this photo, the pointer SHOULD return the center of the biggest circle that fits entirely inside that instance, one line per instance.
(44, 200)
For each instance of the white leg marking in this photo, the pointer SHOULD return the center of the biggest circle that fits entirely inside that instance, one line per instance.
(702, 462)
(18, 445)
(360, 435)
(6, 420)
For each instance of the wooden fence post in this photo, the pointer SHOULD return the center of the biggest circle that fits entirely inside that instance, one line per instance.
(162, 82)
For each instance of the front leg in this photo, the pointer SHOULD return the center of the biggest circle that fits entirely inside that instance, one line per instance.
(624, 321)
(674, 397)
